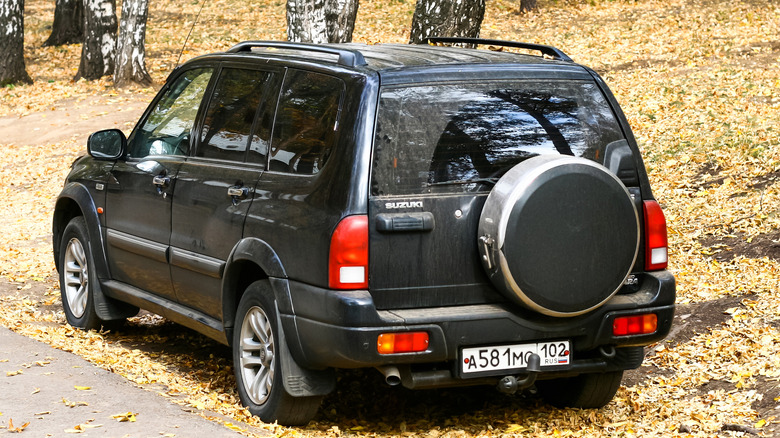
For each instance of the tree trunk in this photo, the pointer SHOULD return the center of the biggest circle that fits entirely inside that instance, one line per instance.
(321, 21)
(446, 18)
(12, 69)
(98, 53)
(68, 26)
(131, 53)
(340, 18)
(527, 5)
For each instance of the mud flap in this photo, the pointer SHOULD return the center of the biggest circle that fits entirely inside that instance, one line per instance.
(299, 381)
(109, 309)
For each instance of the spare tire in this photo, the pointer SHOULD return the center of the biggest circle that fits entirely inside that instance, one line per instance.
(559, 234)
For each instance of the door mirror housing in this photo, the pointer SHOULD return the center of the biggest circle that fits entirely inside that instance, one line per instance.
(108, 144)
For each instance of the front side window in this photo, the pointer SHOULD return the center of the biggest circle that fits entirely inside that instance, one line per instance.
(167, 129)
(451, 137)
(306, 122)
(231, 114)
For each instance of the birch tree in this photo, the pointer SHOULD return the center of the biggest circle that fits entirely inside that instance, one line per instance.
(12, 69)
(98, 52)
(446, 18)
(131, 51)
(68, 26)
(321, 21)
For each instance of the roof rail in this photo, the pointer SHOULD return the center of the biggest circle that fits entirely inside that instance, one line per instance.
(347, 57)
(551, 51)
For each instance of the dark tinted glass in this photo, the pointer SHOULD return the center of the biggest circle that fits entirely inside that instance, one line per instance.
(306, 122)
(167, 129)
(230, 116)
(446, 137)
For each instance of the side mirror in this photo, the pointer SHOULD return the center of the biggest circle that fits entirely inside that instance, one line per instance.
(108, 144)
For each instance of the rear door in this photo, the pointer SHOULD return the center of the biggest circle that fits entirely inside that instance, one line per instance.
(216, 186)
(438, 151)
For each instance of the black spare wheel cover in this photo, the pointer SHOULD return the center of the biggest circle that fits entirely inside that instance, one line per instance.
(559, 234)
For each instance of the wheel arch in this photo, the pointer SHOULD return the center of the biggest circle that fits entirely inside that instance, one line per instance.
(74, 201)
(252, 259)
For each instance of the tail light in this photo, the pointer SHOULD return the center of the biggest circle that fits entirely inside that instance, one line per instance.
(635, 325)
(407, 342)
(656, 250)
(348, 259)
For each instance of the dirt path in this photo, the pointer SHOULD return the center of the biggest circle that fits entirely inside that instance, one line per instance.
(73, 119)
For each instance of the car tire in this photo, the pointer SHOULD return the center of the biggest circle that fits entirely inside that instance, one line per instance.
(77, 277)
(257, 362)
(587, 391)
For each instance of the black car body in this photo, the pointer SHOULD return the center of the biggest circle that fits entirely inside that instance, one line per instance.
(449, 216)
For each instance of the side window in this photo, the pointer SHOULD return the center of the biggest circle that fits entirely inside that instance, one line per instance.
(167, 129)
(306, 122)
(227, 125)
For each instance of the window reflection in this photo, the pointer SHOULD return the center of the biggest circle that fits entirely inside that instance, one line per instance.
(306, 122)
(167, 129)
(452, 135)
(230, 115)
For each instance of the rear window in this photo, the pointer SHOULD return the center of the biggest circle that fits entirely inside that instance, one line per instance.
(460, 137)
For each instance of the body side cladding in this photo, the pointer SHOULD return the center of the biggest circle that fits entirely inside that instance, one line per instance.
(75, 200)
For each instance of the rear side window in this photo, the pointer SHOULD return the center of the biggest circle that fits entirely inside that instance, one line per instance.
(454, 137)
(306, 125)
(231, 114)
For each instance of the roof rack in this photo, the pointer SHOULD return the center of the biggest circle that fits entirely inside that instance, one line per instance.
(550, 51)
(347, 57)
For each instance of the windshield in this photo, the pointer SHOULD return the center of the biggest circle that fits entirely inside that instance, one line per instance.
(457, 137)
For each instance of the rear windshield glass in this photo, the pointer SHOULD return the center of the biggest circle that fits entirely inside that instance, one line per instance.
(463, 137)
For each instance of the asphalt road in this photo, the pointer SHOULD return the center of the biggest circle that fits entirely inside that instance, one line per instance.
(47, 388)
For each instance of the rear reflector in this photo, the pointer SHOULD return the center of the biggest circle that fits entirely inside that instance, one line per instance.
(635, 325)
(408, 342)
(656, 249)
(348, 259)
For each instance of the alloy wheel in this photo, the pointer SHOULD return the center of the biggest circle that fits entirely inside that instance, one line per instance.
(257, 355)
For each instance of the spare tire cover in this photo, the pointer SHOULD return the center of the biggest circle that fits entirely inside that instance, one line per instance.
(559, 234)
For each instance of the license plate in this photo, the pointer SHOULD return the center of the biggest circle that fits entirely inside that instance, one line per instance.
(514, 357)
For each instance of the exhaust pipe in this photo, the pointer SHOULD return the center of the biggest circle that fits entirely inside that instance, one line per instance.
(391, 373)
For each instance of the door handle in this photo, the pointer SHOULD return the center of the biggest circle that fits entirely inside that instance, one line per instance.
(238, 192)
(161, 181)
(405, 222)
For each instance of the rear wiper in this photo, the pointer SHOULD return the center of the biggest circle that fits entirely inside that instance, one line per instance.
(491, 181)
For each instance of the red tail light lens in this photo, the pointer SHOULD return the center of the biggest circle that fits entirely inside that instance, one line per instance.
(392, 343)
(635, 325)
(348, 260)
(656, 250)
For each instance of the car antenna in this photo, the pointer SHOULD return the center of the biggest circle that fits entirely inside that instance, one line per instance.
(203, 3)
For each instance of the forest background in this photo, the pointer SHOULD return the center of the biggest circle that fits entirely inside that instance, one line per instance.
(700, 83)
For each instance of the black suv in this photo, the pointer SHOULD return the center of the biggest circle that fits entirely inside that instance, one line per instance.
(450, 216)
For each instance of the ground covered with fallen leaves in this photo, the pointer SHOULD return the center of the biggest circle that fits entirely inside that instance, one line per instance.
(700, 83)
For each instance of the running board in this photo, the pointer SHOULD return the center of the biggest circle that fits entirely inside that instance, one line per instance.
(177, 313)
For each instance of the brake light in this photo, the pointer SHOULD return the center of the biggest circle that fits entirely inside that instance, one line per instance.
(409, 342)
(635, 325)
(656, 250)
(348, 258)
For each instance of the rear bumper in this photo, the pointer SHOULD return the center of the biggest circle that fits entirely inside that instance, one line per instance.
(339, 329)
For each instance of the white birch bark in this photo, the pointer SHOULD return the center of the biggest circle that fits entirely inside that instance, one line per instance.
(12, 68)
(321, 21)
(131, 51)
(446, 18)
(98, 53)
